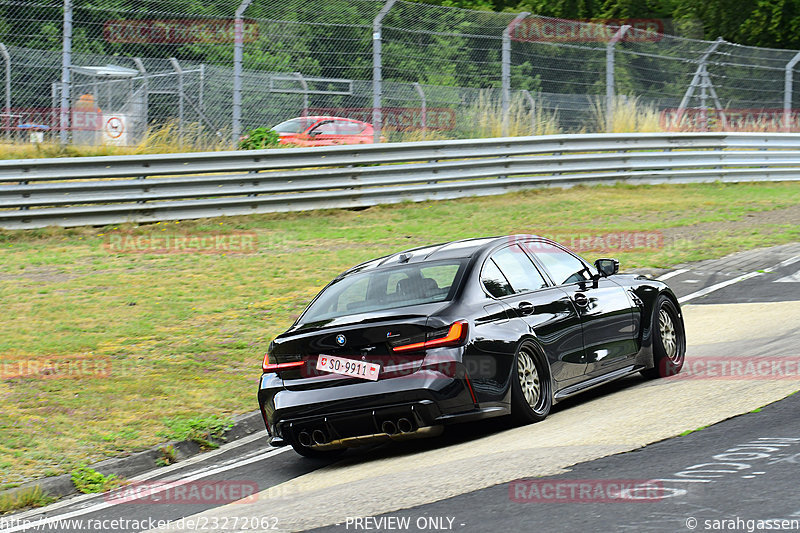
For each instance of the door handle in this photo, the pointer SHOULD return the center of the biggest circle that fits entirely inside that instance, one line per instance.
(525, 308)
(581, 300)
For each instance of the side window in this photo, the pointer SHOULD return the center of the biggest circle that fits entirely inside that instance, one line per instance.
(519, 269)
(494, 280)
(563, 267)
(348, 128)
(326, 128)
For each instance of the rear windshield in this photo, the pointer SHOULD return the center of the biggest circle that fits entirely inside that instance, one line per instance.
(387, 288)
(296, 125)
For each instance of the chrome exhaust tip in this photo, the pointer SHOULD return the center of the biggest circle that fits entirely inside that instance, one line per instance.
(389, 428)
(319, 437)
(404, 425)
(304, 438)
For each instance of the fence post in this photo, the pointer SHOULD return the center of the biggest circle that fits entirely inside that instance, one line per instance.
(304, 85)
(7, 60)
(787, 91)
(610, 91)
(179, 71)
(145, 93)
(424, 109)
(505, 69)
(377, 74)
(238, 48)
(532, 103)
(66, 63)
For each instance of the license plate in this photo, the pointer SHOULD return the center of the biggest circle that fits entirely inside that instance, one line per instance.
(348, 367)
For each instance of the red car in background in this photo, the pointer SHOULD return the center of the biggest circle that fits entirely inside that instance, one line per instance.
(324, 131)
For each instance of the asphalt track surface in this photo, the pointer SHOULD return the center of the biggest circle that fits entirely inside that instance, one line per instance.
(743, 328)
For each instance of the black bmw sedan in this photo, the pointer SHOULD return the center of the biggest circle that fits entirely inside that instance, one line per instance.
(400, 346)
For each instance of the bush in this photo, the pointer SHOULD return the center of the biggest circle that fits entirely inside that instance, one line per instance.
(258, 139)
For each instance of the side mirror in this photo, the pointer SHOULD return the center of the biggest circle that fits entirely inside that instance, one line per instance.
(607, 267)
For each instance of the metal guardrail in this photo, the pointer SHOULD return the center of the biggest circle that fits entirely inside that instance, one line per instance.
(36, 193)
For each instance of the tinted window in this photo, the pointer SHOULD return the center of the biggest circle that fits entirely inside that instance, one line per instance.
(563, 267)
(387, 288)
(494, 280)
(519, 269)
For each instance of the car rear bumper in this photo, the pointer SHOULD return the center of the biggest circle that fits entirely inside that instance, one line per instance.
(361, 409)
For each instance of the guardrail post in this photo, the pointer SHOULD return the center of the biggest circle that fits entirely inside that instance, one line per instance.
(424, 109)
(7, 60)
(787, 92)
(238, 49)
(610, 90)
(66, 64)
(377, 73)
(505, 69)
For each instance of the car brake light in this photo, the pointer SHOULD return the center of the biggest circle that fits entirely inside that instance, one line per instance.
(268, 367)
(455, 336)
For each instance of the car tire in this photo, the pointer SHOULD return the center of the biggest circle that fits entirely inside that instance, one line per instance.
(669, 340)
(531, 391)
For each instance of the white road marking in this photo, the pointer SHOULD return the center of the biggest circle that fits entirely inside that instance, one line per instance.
(722, 285)
(155, 490)
(791, 278)
(151, 474)
(672, 274)
(718, 286)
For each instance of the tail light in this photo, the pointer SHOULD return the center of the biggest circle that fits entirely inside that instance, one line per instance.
(455, 335)
(268, 367)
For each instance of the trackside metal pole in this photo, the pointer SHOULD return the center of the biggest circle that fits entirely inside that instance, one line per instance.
(610, 90)
(532, 104)
(179, 71)
(145, 92)
(424, 109)
(787, 92)
(238, 48)
(66, 64)
(7, 60)
(377, 73)
(505, 69)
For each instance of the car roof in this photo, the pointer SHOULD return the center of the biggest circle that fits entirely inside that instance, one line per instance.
(461, 249)
(325, 117)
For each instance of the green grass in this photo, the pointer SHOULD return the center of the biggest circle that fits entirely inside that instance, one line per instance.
(89, 481)
(168, 344)
(33, 497)
(689, 431)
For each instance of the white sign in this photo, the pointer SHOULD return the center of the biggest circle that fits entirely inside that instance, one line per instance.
(115, 129)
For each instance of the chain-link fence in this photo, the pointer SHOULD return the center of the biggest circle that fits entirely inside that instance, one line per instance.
(188, 70)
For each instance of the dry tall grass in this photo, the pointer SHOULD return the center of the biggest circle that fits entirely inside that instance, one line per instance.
(165, 138)
(630, 116)
(485, 118)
